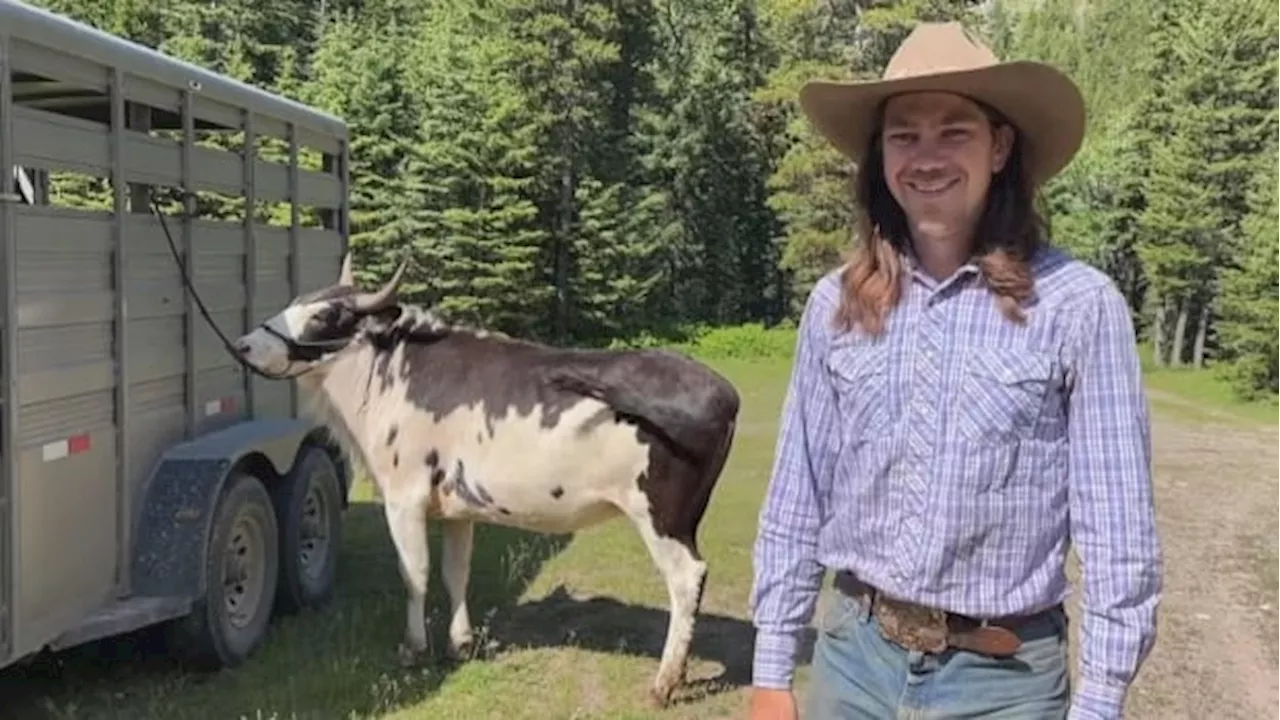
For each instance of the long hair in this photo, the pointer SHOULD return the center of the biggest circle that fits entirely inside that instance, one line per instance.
(1009, 231)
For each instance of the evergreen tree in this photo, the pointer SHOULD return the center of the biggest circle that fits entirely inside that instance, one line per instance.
(1250, 312)
(577, 170)
(358, 77)
(474, 175)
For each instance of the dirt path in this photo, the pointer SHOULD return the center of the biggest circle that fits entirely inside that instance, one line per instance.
(1216, 655)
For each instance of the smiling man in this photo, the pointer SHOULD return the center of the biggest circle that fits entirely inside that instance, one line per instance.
(966, 403)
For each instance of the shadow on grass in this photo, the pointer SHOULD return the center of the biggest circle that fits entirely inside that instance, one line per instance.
(337, 662)
(606, 625)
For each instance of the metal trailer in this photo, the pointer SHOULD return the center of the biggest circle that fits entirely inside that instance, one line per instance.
(145, 477)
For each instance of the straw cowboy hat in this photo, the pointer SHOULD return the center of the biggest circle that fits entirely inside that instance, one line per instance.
(1041, 101)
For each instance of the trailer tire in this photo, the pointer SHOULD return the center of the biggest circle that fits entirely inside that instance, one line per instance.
(308, 504)
(243, 539)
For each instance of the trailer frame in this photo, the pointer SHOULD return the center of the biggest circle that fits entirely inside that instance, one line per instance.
(131, 443)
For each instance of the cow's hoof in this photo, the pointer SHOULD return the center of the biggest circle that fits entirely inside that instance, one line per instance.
(409, 656)
(659, 698)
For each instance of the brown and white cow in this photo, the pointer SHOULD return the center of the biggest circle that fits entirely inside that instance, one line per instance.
(462, 426)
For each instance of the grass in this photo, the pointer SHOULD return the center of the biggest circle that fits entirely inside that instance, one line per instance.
(1201, 394)
(569, 627)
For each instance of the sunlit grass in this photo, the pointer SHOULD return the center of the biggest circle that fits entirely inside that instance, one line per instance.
(1201, 394)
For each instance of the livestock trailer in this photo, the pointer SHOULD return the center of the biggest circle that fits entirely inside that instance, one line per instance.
(145, 477)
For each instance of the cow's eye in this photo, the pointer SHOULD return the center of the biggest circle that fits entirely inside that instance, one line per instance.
(331, 315)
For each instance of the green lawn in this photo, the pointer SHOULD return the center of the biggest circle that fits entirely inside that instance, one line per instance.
(573, 626)
(1201, 395)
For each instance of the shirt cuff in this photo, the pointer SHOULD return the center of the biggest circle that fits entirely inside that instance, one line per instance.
(1098, 701)
(774, 663)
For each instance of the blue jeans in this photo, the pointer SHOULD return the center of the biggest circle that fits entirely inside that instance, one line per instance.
(859, 675)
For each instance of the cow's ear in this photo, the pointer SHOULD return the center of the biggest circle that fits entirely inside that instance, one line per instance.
(389, 315)
(382, 320)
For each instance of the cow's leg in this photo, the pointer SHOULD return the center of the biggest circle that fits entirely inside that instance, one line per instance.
(685, 574)
(407, 522)
(458, 537)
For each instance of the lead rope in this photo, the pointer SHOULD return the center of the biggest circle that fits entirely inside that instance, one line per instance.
(186, 281)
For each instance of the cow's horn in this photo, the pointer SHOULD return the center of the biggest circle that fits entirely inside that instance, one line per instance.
(344, 275)
(385, 296)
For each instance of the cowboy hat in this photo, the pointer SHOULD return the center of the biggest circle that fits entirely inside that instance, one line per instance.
(1042, 102)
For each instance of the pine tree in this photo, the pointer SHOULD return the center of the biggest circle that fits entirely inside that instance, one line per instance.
(474, 170)
(1249, 327)
(358, 75)
(709, 147)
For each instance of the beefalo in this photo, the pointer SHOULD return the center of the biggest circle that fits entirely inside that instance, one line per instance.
(462, 426)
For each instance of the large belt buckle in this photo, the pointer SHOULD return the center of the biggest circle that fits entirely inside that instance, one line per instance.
(912, 626)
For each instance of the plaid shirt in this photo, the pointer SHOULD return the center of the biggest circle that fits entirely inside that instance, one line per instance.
(952, 461)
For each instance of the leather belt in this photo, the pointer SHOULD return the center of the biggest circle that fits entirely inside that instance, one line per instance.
(916, 627)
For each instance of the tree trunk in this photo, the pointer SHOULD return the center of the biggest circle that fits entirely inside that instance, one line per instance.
(1202, 333)
(566, 203)
(1178, 352)
(1161, 330)
(564, 230)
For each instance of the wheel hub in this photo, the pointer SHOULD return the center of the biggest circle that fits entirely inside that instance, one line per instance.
(243, 570)
(313, 545)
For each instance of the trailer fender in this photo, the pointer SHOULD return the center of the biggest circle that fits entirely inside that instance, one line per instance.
(177, 511)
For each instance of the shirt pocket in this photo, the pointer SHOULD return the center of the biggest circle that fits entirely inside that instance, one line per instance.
(860, 374)
(1003, 394)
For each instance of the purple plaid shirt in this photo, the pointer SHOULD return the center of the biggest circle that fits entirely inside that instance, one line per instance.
(952, 461)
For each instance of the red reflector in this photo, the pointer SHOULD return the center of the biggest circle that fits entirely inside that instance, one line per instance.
(77, 444)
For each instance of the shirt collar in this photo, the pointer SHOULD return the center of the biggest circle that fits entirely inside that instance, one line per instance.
(911, 263)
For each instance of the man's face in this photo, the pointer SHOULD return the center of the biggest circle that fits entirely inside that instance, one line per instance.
(940, 153)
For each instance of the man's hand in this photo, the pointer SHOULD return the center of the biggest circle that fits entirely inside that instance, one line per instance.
(768, 704)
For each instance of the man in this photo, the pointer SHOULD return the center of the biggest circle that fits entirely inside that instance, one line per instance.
(965, 402)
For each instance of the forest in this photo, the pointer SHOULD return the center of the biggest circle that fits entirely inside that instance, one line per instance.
(604, 171)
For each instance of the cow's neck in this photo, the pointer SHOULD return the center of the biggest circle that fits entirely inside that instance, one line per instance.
(342, 393)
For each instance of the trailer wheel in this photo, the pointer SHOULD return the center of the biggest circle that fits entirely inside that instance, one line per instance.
(308, 504)
(241, 576)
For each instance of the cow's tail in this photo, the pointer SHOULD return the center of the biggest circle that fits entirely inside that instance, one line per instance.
(694, 420)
